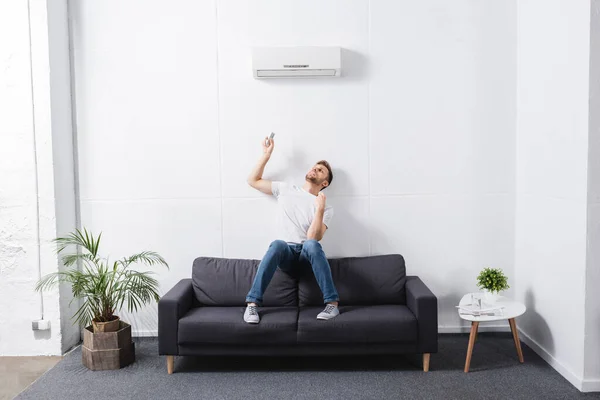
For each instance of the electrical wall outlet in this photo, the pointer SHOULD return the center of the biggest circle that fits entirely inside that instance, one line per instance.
(40, 325)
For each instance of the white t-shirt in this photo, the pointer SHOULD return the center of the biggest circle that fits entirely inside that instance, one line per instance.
(296, 209)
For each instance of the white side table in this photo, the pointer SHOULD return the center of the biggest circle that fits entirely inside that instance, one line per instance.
(512, 309)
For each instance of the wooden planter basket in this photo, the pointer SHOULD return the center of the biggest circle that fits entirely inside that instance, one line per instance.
(107, 350)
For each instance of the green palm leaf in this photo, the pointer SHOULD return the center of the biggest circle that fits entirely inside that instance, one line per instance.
(72, 259)
(145, 257)
(83, 239)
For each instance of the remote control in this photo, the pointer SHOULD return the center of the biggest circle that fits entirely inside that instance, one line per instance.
(270, 137)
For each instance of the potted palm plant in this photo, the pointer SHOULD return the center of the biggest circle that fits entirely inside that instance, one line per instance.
(104, 288)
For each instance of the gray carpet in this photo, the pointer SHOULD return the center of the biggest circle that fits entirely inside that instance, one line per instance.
(495, 374)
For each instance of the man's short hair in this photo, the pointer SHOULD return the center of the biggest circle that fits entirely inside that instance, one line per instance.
(326, 165)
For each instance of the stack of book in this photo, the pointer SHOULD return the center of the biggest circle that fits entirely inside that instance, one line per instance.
(485, 310)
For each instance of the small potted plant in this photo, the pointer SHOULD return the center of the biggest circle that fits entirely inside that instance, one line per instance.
(104, 287)
(492, 281)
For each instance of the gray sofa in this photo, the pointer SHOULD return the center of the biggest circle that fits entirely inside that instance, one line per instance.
(383, 311)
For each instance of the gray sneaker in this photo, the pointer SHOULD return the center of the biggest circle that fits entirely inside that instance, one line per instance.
(251, 315)
(329, 312)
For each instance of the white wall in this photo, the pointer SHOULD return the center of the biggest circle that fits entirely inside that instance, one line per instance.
(551, 190)
(420, 131)
(29, 171)
(592, 294)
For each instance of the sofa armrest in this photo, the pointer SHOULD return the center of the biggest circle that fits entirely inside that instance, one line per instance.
(171, 307)
(423, 303)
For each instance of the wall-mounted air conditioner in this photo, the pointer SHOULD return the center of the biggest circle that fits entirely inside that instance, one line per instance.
(297, 62)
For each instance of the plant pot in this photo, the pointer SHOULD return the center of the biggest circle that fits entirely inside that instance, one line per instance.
(107, 350)
(110, 326)
(491, 297)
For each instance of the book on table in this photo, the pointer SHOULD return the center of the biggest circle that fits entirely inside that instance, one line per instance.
(484, 310)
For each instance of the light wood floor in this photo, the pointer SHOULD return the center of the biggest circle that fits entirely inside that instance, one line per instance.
(16, 373)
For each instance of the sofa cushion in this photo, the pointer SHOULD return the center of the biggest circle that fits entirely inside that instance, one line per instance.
(226, 282)
(360, 281)
(226, 325)
(358, 324)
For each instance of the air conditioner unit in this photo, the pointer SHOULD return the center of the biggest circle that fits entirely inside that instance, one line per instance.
(297, 62)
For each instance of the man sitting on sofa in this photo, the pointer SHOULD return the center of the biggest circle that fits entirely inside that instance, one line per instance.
(303, 218)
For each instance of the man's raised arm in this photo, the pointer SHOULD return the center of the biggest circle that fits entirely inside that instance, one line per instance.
(255, 178)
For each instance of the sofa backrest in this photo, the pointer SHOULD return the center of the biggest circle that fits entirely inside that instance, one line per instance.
(226, 282)
(360, 281)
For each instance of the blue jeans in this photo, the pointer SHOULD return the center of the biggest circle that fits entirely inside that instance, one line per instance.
(290, 257)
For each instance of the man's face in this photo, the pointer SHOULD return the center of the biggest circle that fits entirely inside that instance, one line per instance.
(317, 175)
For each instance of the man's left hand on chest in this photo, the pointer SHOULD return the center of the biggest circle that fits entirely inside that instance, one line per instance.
(320, 202)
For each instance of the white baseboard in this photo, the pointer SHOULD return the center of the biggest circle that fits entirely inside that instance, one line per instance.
(590, 385)
(144, 333)
(554, 363)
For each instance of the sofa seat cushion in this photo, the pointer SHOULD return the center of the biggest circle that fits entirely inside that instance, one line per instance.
(226, 325)
(358, 324)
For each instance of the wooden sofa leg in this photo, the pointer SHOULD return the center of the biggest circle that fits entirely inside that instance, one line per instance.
(426, 362)
(170, 364)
